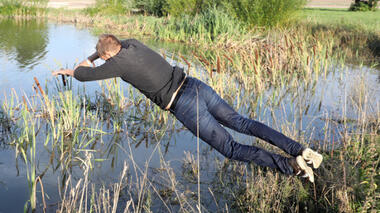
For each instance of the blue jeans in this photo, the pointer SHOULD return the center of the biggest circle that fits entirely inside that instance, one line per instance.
(199, 105)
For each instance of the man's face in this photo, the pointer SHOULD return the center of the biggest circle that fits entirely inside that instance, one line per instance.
(108, 55)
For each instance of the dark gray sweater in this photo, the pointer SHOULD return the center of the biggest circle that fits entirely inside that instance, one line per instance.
(140, 66)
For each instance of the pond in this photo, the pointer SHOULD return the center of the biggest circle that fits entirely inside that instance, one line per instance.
(34, 48)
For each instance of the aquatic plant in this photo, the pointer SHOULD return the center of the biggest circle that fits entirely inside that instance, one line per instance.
(270, 13)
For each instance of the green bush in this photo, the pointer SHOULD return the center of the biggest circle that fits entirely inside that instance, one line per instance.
(264, 12)
(109, 7)
(208, 25)
(191, 7)
(153, 7)
(364, 5)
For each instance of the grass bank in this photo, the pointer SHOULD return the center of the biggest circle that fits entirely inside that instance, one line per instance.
(355, 35)
(369, 21)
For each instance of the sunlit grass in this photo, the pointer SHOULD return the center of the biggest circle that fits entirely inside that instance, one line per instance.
(369, 21)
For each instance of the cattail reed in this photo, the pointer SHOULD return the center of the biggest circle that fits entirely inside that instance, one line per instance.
(39, 86)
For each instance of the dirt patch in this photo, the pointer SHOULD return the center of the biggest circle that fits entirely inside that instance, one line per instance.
(329, 3)
(70, 4)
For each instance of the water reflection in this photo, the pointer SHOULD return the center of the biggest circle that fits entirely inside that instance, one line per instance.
(24, 41)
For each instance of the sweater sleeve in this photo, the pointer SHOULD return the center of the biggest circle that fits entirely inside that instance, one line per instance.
(93, 57)
(107, 70)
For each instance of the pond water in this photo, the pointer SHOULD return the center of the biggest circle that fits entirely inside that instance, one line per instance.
(35, 48)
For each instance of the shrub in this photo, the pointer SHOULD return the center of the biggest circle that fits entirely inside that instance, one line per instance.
(264, 12)
(191, 7)
(109, 7)
(153, 7)
(364, 5)
(207, 25)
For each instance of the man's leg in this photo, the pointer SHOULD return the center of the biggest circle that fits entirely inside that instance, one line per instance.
(192, 110)
(228, 117)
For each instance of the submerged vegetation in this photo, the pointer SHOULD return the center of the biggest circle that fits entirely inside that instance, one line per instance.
(249, 64)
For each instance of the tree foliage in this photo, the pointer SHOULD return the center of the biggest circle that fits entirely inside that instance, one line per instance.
(364, 5)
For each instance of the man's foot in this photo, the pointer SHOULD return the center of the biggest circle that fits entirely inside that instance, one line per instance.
(300, 168)
(312, 157)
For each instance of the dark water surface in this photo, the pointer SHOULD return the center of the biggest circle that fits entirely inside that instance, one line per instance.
(35, 48)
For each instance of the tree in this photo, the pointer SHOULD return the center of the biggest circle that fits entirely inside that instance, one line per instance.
(364, 5)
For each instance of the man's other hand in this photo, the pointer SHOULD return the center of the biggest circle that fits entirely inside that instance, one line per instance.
(87, 63)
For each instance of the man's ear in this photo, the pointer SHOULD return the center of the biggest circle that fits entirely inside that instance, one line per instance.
(109, 55)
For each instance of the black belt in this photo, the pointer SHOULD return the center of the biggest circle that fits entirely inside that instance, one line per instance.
(179, 93)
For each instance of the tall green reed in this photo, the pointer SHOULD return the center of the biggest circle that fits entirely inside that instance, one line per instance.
(24, 8)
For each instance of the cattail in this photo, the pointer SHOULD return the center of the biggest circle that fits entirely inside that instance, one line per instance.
(228, 58)
(291, 47)
(63, 80)
(39, 86)
(26, 105)
(188, 64)
(203, 60)
(286, 42)
(271, 62)
(35, 88)
(218, 64)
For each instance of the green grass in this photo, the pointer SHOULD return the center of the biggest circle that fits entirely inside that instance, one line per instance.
(369, 21)
(11, 8)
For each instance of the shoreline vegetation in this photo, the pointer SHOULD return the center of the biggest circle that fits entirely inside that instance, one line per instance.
(278, 55)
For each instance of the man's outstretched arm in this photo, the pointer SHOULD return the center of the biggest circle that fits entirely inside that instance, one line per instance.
(70, 72)
(85, 72)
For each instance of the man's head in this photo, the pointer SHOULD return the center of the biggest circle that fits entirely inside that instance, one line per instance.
(108, 46)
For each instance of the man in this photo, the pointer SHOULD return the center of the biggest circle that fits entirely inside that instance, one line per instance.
(192, 102)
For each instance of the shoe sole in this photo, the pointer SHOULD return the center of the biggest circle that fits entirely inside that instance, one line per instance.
(308, 171)
(312, 157)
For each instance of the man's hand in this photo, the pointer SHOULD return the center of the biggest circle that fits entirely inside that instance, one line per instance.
(63, 72)
(85, 63)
